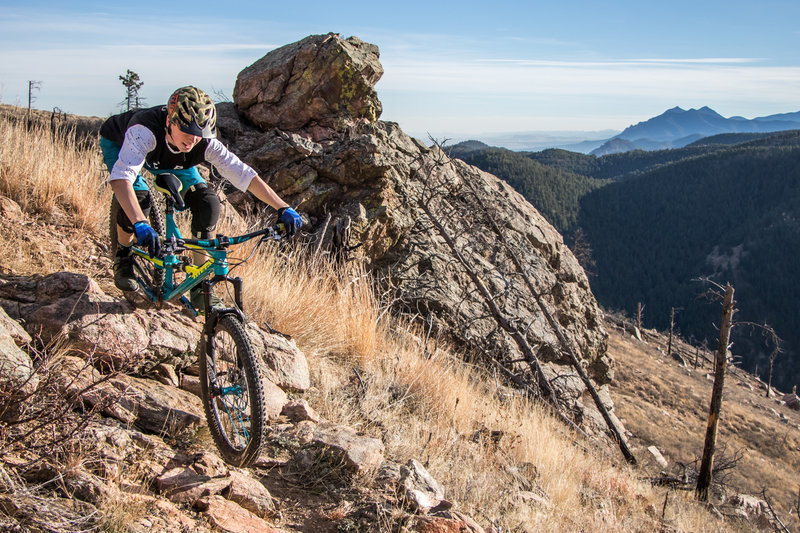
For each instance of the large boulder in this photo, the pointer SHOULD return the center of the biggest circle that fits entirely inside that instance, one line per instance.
(150, 405)
(72, 308)
(327, 446)
(321, 79)
(377, 183)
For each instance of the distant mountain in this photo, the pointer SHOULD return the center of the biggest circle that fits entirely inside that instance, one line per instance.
(615, 146)
(790, 117)
(678, 127)
(583, 141)
(465, 147)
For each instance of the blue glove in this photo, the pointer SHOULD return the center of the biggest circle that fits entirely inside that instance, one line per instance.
(146, 236)
(289, 218)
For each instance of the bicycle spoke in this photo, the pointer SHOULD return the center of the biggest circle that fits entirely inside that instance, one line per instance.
(231, 401)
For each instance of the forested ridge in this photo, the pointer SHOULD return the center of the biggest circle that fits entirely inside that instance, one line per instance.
(557, 190)
(726, 208)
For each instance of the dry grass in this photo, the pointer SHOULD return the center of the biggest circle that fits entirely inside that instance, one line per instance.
(386, 379)
(666, 405)
(504, 461)
(47, 173)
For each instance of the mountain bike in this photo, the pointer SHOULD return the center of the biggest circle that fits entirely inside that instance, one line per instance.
(230, 371)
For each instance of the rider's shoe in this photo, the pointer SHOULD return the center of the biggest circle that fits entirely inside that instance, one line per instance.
(124, 276)
(196, 297)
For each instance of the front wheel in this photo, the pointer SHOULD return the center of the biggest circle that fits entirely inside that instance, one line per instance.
(233, 394)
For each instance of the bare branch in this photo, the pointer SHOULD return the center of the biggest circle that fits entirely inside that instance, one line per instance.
(776, 521)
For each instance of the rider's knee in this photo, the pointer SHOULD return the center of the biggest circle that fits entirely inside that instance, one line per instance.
(205, 207)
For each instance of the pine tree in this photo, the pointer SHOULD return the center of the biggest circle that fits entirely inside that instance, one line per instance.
(132, 84)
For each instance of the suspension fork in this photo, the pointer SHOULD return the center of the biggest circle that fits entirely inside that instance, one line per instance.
(212, 319)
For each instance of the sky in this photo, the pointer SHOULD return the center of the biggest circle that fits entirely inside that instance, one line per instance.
(452, 70)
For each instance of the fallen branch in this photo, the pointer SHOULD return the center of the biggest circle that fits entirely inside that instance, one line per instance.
(503, 321)
(612, 427)
(775, 520)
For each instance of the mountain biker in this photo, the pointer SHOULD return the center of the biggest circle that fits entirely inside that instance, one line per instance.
(174, 138)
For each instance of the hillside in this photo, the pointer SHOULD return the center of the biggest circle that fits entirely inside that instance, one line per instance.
(400, 397)
(557, 192)
(370, 375)
(531, 474)
(728, 215)
(556, 180)
(664, 402)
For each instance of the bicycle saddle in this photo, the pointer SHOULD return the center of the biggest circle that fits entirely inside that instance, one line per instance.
(171, 185)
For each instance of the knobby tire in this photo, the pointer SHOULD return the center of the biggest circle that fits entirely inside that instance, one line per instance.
(233, 393)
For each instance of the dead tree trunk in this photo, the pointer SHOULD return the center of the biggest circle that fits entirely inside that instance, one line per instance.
(772, 357)
(637, 327)
(671, 327)
(707, 464)
(639, 309)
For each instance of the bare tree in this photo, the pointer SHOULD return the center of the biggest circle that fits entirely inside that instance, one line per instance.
(220, 96)
(672, 333)
(671, 328)
(582, 250)
(773, 354)
(639, 311)
(32, 86)
(704, 479)
(440, 204)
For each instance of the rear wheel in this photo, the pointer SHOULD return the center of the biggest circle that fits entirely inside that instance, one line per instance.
(233, 394)
(154, 277)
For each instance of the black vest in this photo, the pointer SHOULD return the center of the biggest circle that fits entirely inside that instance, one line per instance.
(155, 120)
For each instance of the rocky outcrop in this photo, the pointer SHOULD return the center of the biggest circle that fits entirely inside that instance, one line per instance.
(375, 180)
(286, 89)
(338, 447)
(72, 307)
(16, 368)
(121, 430)
(792, 401)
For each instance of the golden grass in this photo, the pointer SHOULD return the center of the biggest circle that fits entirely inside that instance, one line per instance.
(665, 404)
(45, 172)
(504, 461)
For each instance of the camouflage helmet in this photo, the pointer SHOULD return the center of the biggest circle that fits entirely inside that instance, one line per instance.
(193, 111)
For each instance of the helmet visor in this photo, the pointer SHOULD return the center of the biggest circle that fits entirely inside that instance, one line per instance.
(193, 128)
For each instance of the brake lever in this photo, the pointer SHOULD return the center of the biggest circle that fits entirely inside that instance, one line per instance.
(274, 234)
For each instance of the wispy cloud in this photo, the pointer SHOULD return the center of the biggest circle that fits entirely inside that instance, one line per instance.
(504, 95)
(625, 62)
(742, 77)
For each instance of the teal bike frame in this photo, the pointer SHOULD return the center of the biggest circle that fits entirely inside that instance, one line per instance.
(216, 267)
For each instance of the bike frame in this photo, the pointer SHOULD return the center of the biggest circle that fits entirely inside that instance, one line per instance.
(216, 265)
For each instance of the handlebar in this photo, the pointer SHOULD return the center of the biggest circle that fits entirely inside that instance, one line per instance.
(271, 233)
